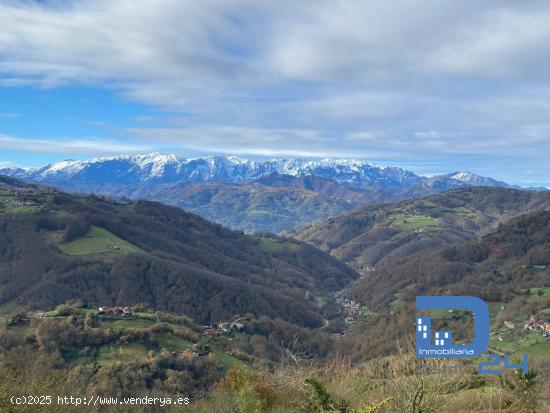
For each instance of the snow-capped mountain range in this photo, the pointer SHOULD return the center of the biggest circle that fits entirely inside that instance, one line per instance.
(160, 168)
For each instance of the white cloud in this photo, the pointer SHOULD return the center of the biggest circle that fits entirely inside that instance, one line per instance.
(76, 146)
(312, 77)
(427, 135)
(245, 141)
(180, 53)
(354, 106)
(365, 136)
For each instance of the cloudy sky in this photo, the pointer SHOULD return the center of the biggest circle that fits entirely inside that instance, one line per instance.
(433, 86)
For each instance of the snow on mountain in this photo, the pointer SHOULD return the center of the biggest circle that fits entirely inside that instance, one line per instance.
(167, 168)
(472, 179)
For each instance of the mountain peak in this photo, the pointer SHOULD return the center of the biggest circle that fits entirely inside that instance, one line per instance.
(162, 167)
(462, 175)
(472, 179)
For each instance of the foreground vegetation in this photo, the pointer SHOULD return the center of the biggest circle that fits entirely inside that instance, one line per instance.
(397, 384)
(81, 351)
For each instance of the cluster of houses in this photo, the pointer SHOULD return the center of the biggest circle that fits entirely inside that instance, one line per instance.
(115, 311)
(22, 202)
(21, 197)
(352, 309)
(223, 328)
(536, 323)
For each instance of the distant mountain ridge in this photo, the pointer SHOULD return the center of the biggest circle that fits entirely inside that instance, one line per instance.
(167, 168)
(267, 196)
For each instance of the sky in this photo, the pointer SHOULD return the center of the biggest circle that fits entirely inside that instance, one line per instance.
(432, 86)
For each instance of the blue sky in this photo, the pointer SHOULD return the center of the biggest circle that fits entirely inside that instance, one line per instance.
(430, 86)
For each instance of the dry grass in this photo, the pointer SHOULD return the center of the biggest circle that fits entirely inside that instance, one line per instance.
(397, 384)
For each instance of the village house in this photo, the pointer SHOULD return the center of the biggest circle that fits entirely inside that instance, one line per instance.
(115, 311)
(352, 309)
(22, 202)
(535, 323)
(223, 328)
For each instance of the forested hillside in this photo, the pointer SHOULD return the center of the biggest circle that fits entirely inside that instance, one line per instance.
(487, 242)
(497, 266)
(380, 234)
(56, 247)
(272, 203)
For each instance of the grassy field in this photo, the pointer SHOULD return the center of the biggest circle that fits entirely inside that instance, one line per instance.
(495, 307)
(397, 304)
(412, 222)
(8, 309)
(125, 353)
(82, 310)
(21, 331)
(146, 315)
(98, 240)
(124, 323)
(272, 244)
(365, 312)
(531, 343)
(225, 359)
(539, 350)
(173, 343)
(535, 292)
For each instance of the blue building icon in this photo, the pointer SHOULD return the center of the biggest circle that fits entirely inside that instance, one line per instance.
(424, 334)
(440, 344)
